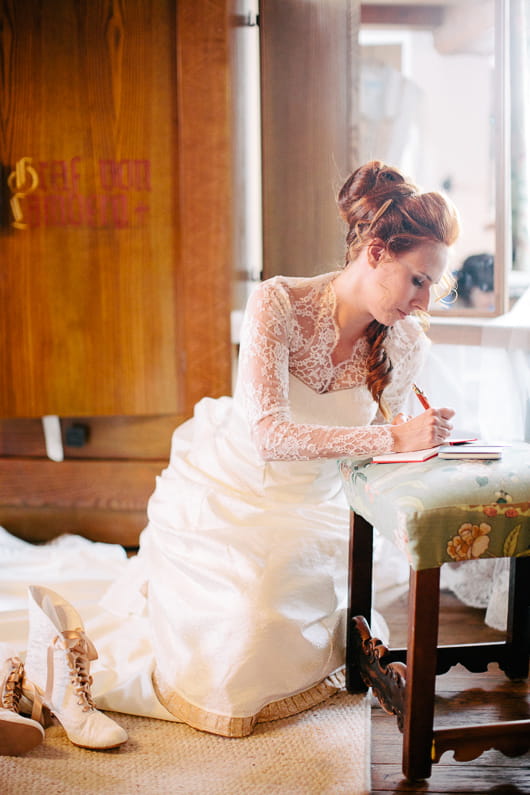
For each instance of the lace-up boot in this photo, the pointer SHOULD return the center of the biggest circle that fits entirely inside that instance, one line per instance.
(18, 734)
(58, 663)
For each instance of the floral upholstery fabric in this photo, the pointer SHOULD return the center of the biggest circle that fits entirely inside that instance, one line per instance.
(442, 511)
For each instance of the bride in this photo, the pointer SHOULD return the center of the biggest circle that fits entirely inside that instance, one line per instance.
(237, 596)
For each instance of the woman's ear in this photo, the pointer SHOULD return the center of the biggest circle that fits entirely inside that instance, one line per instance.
(376, 251)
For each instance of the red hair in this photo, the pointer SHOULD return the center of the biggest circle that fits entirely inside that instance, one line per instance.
(378, 203)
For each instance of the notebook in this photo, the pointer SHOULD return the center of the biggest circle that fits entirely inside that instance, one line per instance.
(463, 439)
(470, 451)
(406, 458)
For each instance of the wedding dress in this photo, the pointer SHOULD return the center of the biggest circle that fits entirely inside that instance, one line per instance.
(238, 594)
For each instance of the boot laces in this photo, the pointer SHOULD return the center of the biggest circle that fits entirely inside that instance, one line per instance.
(79, 651)
(12, 690)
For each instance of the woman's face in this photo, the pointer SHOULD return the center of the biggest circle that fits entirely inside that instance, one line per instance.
(402, 284)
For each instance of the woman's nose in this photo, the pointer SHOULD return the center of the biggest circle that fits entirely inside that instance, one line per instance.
(422, 300)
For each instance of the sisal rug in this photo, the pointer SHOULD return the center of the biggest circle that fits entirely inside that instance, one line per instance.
(324, 750)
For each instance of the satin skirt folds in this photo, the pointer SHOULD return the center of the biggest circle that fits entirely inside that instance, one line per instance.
(246, 569)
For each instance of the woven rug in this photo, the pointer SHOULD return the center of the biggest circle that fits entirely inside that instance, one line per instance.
(323, 750)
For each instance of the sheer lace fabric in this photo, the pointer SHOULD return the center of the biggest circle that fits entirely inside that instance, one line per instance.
(290, 328)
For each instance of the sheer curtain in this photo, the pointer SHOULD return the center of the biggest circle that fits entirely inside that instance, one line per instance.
(520, 127)
(488, 385)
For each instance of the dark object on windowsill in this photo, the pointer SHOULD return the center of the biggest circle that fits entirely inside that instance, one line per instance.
(475, 280)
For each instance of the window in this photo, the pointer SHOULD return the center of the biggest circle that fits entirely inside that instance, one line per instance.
(435, 95)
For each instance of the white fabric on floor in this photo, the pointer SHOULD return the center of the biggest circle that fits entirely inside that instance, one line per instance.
(81, 572)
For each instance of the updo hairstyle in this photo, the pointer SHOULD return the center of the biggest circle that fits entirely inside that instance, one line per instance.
(378, 203)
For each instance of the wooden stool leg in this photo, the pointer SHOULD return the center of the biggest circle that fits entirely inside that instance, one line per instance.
(518, 638)
(424, 603)
(360, 592)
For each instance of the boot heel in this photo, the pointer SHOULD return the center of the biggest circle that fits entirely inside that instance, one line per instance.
(18, 733)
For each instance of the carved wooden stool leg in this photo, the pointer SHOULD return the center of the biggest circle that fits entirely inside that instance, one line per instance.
(360, 592)
(424, 603)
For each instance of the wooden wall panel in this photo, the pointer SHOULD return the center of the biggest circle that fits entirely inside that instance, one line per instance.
(115, 279)
(309, 114)
(88, 294)
(107, 525)
(102, 500)
(145, 437)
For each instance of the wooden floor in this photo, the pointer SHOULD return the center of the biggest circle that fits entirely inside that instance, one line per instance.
(489, 697)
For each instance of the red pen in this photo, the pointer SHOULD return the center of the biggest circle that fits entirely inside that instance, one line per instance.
(421, 397)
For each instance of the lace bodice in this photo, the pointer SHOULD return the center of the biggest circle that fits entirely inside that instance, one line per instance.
(290, 328)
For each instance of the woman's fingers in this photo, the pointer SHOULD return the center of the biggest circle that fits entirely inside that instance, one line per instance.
(444, 415)
(439, 425)
(399, 419)
(428, 429)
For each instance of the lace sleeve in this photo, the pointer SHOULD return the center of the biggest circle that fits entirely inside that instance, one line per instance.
(267, 335)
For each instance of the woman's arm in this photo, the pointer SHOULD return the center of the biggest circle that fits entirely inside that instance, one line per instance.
(267, 333)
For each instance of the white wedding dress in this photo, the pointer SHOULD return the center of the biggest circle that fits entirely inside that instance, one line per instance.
(234, 608)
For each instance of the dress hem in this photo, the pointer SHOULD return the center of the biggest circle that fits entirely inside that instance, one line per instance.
(233, 726)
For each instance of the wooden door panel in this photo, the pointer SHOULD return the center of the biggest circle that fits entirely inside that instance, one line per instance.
(114, 145)
(89, 296)
(101, 500)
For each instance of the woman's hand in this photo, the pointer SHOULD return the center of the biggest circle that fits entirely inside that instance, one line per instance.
(426, 430)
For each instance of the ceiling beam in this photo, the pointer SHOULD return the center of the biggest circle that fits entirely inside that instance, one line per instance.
(403, 14)
(467, 29)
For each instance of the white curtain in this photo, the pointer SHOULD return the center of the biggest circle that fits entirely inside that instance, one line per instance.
(488, 385)
(520, 127)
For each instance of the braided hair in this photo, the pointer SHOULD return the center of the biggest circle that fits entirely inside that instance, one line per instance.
(378, 203)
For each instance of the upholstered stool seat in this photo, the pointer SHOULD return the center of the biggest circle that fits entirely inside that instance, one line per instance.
(438, 511)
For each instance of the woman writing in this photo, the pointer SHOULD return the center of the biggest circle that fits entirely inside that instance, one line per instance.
(243, 563)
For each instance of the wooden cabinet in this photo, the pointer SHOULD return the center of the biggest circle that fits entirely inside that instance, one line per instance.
(115, 236)
(115, 243)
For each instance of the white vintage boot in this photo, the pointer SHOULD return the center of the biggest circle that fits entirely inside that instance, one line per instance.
(58, 663)
(18, 734)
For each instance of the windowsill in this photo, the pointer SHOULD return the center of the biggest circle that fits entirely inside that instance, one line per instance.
(469, 330)
(472, 330)
(457, 330)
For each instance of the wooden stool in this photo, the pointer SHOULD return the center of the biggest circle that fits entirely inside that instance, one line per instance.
(438, 511)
